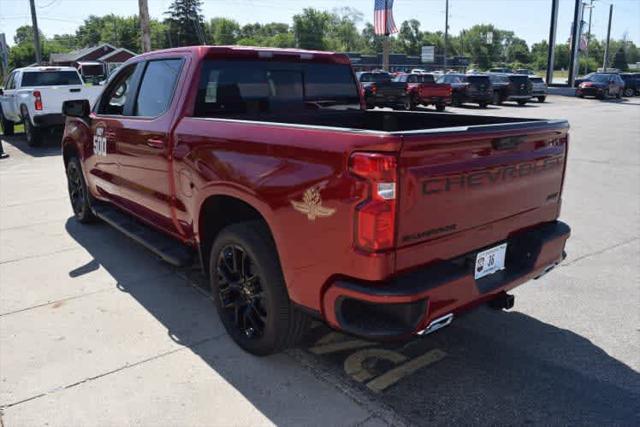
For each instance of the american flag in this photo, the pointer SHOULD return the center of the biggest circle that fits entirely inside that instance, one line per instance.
(383, 23)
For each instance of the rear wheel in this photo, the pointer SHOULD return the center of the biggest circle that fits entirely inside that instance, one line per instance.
(522, 102)
(440, 107)
(629, 92)
(249, 290)
(483, 104)
(78, 193)
(7, 125)
(542, 98)
(33, 134)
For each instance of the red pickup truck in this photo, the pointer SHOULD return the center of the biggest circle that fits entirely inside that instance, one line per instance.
(263, 166)
(423, 90)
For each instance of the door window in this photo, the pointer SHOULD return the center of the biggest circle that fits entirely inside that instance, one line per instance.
(156, 89)
(115, 97)
(11, 82)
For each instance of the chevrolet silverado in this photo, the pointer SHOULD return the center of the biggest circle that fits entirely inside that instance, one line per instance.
(264, 167)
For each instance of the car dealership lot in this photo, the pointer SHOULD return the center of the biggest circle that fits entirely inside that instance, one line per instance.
(95, 330)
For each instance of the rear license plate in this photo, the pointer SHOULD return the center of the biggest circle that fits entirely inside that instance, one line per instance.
(490, 261)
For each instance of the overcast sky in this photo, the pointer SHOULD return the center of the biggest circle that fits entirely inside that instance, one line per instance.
(529, 19)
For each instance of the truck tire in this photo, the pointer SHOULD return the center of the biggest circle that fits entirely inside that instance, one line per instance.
(249, 291)
(78, 193)
(629, 92)
(7, 125)
(33, 133)
(440, 107)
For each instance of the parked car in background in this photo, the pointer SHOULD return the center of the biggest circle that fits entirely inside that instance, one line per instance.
(631, 83)
(423, 90)
(471, 88)
(261, 166)
(34, 96)
(381, 91)
(601, 86)
(582, 79)
(525, 71)
(511, 87)
(501, 70)
(538, 88)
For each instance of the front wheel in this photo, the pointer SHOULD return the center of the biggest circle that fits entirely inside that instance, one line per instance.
(78, 193)
(250, 293)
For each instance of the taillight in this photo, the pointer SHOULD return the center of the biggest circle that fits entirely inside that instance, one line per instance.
(38, 101)
(374, 89)
(375, 218)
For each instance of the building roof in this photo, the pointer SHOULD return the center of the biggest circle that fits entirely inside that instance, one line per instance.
(77, 54)
(115, 52)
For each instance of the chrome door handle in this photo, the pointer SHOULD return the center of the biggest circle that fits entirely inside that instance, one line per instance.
(155, 143)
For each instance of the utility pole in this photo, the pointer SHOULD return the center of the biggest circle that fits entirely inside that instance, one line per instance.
(575, 41)
(36, 32)
(586, 65)
(552, 40)
(446, 34)
(144, 25)
(605, 62)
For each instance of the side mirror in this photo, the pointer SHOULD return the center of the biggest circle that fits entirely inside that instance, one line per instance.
(76, 108)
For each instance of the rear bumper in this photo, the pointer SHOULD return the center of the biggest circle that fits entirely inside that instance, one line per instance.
(435, 100)
(46, 120)
(386, 101)
(519, 97)
(405, 305)
(590, 91)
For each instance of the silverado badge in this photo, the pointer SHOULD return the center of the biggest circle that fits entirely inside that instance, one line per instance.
(311, 205)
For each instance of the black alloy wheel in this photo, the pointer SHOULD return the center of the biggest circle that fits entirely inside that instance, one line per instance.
(78, 193)
(240, 291)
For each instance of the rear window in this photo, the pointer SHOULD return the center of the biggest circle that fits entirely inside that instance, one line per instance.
(50, 78)
(420, 78)
(479, 80)
(519, 79)
(236, 87)
(375, 77)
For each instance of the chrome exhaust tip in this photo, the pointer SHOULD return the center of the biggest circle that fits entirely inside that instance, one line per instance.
(436, 324)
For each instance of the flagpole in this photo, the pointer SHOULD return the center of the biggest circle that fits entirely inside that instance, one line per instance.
(385, 41)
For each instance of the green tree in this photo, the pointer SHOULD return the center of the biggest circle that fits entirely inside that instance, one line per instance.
(620, 60)
(185, 23)
(410, 37)
(224, 31)
(310, 28)
(342, 34)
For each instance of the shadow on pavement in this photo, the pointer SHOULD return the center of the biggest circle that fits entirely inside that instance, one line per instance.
(499, 368)
(50, 145)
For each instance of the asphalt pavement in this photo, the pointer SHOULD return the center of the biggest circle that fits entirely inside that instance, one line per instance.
(94, 330)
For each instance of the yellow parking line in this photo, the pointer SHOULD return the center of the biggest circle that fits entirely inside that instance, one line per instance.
(339, 346)
(396, 374)
(354, 364)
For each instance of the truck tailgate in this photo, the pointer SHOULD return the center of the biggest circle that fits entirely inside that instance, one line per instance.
(435, 90)
(455, 181)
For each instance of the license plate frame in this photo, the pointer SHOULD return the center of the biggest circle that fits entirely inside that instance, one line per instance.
(490, 261)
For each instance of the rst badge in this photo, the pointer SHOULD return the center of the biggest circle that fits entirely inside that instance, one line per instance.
(100, 142)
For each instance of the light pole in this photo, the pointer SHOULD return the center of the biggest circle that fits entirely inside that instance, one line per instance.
(446, 34)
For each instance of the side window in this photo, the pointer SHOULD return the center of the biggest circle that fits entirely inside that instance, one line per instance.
(156, 89)
(412, 79)
(115, 97)
(11, 82)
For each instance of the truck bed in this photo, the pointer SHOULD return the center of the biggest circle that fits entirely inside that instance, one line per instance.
(392, 121)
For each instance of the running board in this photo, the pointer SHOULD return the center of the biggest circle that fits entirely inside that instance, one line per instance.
(167, 248)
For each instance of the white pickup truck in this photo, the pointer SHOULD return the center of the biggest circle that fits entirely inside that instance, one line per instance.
(34, 96)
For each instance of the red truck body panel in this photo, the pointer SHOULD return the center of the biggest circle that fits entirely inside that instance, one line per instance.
(457, 191)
